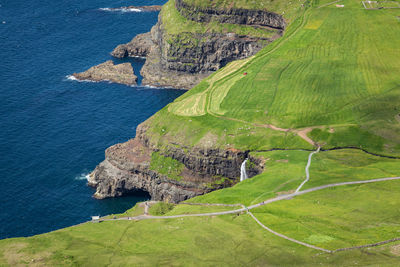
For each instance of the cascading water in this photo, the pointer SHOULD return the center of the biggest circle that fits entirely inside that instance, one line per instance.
(243, 174)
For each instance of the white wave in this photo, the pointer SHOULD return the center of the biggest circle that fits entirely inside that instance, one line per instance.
(82, 176)
(120, 9)
(73, 78)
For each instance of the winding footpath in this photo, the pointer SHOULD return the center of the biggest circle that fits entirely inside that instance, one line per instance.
(308, 169)
(243, 208)
(279, 198)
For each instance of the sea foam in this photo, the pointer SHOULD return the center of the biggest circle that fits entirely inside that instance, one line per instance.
(82, 176)
(72, 78)
(121, 9)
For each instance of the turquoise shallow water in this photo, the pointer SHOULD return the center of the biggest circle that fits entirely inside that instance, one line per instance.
(54, 131)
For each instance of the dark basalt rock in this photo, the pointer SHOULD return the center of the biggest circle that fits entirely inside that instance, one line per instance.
(232, 16)
(183, 60)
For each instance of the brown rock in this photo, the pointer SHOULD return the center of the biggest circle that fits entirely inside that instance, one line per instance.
(107, 71)
(140, 46)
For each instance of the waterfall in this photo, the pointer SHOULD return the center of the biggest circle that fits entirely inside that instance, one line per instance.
(243, 174)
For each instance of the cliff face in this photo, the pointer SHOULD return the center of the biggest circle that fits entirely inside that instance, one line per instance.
(126, 169)
(183, 60)
(139, 47)
(232, 16)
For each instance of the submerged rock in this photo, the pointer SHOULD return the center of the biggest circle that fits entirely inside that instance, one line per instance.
(107, 71)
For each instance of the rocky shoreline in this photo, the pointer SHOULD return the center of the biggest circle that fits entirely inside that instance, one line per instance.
(107, 71)
(126, 169)
(183, 60)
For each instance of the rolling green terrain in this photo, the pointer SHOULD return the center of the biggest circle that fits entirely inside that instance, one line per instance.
(335, 72)
(331, 81)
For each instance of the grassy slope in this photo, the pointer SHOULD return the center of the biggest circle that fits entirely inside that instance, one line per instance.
(331, 218)
(337, 67)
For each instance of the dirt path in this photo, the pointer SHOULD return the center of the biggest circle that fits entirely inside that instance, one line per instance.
(279, 198)
(286, 237)
(329, 3)
(244, 208)
(307, 169)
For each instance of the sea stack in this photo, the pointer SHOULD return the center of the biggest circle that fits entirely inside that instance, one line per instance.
(108, 71)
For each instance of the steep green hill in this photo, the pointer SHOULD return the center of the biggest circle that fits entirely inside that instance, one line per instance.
(332, 81)
(335, 71)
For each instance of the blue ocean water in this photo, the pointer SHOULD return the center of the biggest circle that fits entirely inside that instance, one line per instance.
(54, 131)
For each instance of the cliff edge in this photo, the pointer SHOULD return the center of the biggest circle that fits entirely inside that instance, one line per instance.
(189, 43)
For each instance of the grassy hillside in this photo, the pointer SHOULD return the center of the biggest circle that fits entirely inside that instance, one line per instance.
(333, 79)
(335, 71)
(330, 218)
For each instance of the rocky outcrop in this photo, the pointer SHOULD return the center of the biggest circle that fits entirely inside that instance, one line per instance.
(232, 16)
(139, 47)
(126, 169)
(183, 60)
(107, 71)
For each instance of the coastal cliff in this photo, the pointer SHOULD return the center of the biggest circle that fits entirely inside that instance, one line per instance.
(232, 15)
(185, 46)
(180, 58)
(127, 168)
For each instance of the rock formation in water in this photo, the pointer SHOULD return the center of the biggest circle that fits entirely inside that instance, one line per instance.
(107, 71)
(183, 60)
(139, 47)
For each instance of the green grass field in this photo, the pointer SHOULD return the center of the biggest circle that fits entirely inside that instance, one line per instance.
(335, 72)
(330, 218)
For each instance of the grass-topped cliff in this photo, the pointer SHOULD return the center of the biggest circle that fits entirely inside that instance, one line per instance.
(330, 81)
(334, 72)
(174, 23)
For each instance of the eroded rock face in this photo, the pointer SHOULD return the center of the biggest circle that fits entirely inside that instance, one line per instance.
(107, 71)
(232, 16)
(140, 46)
(183, 60)
(126, 168)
